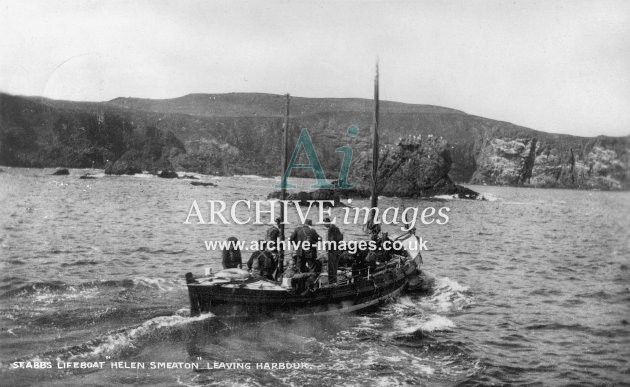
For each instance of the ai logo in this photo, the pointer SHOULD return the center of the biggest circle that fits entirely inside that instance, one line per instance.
(313, 161)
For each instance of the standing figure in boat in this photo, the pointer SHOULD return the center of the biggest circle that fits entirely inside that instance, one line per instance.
(273, 238)
(273, 235)
(301, 234)
(333, 235)
(231, 256)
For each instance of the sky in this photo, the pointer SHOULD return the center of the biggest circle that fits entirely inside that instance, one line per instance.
(557, 66)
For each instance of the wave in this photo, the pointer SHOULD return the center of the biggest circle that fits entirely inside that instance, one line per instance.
(482, 196)
(411, 313)
(433, 323)
(254, 177)
(120, 341)
(445, 197)
(448, 295)
(437, 323)
(441, 295)
(144, 249)
(79, 263)
(144, 175)
(117, 341)
(58, 288)
(446, 283)
(159, 283)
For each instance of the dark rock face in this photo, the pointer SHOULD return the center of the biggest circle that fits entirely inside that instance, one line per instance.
(415, 167)
(446, 186)
(61, 172)
(168, 175)
(87, 177)
(602, 164)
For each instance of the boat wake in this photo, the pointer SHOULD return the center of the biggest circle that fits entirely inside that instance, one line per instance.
(120, 342)
(420, 315)
(448, 295)
(414, 338)
(124, 342)
(59, 290)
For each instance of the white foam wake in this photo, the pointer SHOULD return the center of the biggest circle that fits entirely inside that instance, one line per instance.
(446, 284)
(128, 337)
(435, 322)
(161, 284)
(448, 295)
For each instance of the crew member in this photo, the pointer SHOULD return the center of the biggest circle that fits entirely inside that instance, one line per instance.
(273, 234)
(333, 235)
(262, 263)
(302, 234)
(232, 255)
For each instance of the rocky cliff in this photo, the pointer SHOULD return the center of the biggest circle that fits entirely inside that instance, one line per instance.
(600, 163)
(240, 133)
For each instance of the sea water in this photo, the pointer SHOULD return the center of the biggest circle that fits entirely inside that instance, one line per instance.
(530, 287)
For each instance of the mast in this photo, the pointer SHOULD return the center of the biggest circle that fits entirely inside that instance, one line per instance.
(374, 194)
(283, 189)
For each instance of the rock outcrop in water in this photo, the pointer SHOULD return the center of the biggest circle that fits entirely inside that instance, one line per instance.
(202, 184)
(303, 197)
(168, 175)
(61, 172)
(126, 165)
(414, 167)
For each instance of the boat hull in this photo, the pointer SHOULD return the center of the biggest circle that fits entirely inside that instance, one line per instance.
(270, 300)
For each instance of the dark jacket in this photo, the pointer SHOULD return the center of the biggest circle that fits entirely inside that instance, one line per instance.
(306, 233)
(314, 266)
(262, 263)
(232, 256)
(273, 234)
(334, 234)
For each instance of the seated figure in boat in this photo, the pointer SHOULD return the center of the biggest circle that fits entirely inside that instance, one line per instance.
(262, 263)
(286, 277)
(384, 245)
(301, 281)
(364, 263)
(231, 257)
(307, 280)
(301, 234)
(314, 268)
